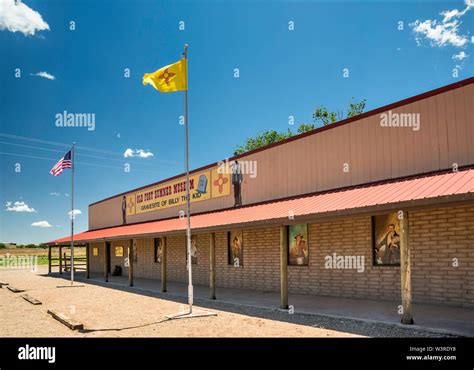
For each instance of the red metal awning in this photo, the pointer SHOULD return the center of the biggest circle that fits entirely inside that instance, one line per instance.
(446, 186)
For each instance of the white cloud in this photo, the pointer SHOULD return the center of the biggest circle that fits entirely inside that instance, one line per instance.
(440, 34)
(18, 17)
(44, 74)
(450, 14)
(137, 153)
(75, 212)
(41, 224)
(444, 32)
(460, 56)
(55, 194)
(18, 207)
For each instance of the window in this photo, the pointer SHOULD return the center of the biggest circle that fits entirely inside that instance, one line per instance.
(95, 251)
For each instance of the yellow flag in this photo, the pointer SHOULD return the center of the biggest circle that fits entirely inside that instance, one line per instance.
(169, 78)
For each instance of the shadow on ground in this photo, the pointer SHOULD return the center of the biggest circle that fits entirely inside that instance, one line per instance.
(346, 325)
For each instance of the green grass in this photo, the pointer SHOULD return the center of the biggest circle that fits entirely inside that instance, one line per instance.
(42, 260)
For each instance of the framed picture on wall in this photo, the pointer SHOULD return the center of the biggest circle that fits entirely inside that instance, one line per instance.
(194, 258)
(298, 248)
(386, 239)
(159, 242)
(119, 251)
(235, 248)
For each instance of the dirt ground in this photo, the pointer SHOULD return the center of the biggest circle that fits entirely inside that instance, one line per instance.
(108, 312)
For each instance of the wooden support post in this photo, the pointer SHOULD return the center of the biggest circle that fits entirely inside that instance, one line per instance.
(405, 269)
(212, 266)
(60, 259)
(284, 267)
(88, 261)
(130, 263)
(164, 263)
(49, 259)
(106, 271)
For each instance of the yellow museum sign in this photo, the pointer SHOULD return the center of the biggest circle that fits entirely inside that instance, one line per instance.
(203, 185)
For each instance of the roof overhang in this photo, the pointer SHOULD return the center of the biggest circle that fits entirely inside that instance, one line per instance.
(423, 191)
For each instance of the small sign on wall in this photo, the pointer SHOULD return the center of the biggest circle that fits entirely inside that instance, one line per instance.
(95, 251)
(119, 251)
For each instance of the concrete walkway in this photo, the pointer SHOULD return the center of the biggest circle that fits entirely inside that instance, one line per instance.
(444, 319)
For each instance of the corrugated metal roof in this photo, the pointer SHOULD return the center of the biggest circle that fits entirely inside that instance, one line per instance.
(414, 189)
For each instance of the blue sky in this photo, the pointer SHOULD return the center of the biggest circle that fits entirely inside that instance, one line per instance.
(282, 73)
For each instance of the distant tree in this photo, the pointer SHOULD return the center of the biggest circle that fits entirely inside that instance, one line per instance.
(2, 245)
(321, 117)
(305, 127)
(262, 139)
(356, 108)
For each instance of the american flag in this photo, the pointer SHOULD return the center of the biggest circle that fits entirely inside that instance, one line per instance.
(64, 162)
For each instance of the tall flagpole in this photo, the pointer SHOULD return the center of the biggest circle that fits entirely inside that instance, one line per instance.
(188, 199)
(190, 314)
(72, 214)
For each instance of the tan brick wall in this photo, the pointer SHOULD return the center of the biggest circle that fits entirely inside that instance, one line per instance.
(145, 265)
(177, 270)
(119, 261)
(436, 237)
(347, 237)
(96, 263)
(260, 269)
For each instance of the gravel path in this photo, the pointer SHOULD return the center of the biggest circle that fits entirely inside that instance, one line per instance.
(109, 312)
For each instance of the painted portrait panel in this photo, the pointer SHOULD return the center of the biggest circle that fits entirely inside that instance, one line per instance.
(298, 245)
(386, 239)
(235, 248)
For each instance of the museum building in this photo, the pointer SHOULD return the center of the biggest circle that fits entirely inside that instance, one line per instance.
(377, 206)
